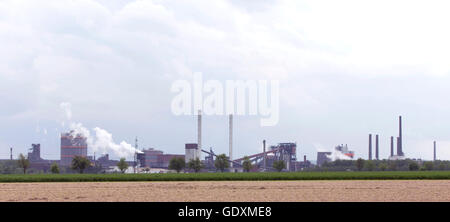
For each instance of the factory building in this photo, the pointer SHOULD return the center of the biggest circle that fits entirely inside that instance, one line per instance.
(151, 157)
(301, 165)
(104, 161)
(164, 160)
(286, 152)
(36, 161)
(107, 164)
(156, 158)
(71, 146)
(344, 150)
(191, 151)
(323, 157)
(35, 154)
(209, 159)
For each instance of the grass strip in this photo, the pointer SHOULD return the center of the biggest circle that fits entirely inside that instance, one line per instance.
(379, 175)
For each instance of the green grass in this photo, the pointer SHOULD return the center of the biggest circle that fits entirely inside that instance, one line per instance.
(388, 175)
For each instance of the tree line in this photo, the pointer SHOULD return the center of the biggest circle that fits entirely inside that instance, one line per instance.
(382, 165)
(79, 164)
(221, 163)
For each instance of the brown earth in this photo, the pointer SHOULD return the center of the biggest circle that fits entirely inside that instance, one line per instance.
(246, 191)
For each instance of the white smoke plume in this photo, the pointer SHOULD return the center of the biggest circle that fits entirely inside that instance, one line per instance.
(79, 129)
(338, 155)
(101, 141)
(335, 154)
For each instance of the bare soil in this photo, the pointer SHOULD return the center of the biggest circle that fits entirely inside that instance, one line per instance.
(241, 191)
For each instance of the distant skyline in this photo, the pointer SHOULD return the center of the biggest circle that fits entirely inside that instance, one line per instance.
(345, 69)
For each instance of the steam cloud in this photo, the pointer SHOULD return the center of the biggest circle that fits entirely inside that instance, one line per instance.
(101, 141)
(338, 155)
(335, 154)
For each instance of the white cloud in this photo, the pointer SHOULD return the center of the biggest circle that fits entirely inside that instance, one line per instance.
(345, 67)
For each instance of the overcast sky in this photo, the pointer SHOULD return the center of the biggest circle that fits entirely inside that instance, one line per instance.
(346, 69)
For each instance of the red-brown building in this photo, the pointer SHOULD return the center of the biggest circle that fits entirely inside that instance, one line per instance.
(157, 159)
(71, 146)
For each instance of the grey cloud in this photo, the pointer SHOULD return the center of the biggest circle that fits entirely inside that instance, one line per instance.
(115, 62)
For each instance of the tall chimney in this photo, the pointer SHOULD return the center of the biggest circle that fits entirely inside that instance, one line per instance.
(231, 139)
(400, 144)
(392, 146)
(434, 151)
(11, 153)
(376, 147)
(264, 150)
(199, 134)
(304, 159)
(370, 146)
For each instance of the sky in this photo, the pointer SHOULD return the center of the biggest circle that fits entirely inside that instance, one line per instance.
(346, 69)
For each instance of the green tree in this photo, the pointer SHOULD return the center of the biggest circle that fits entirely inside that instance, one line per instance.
(195, 165)
(370, 166)
(9, 167)
(383, 166)
(80, 163)
(428, 165)
(123, 165)
(177, 164)
(23, 163)
(279, 165)
(221, 163)
(441, 166)
(413, 166)
(247, 164)
(359, 164)
(54, 168)
(392, 165)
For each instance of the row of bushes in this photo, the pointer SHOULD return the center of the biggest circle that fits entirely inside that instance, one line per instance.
(383, 165)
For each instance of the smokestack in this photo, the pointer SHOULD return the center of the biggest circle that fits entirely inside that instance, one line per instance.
(400, 143)
(304, 159)
(370, 146)
(264, 150)
(376, 147)
(135, 154)
(434, 151)
(11, 152)
(231, 138)
(199, 134)
(392, 146)
(398, 146)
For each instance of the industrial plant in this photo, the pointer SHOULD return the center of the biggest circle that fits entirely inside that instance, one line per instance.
(399, 155)
(154, 160)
